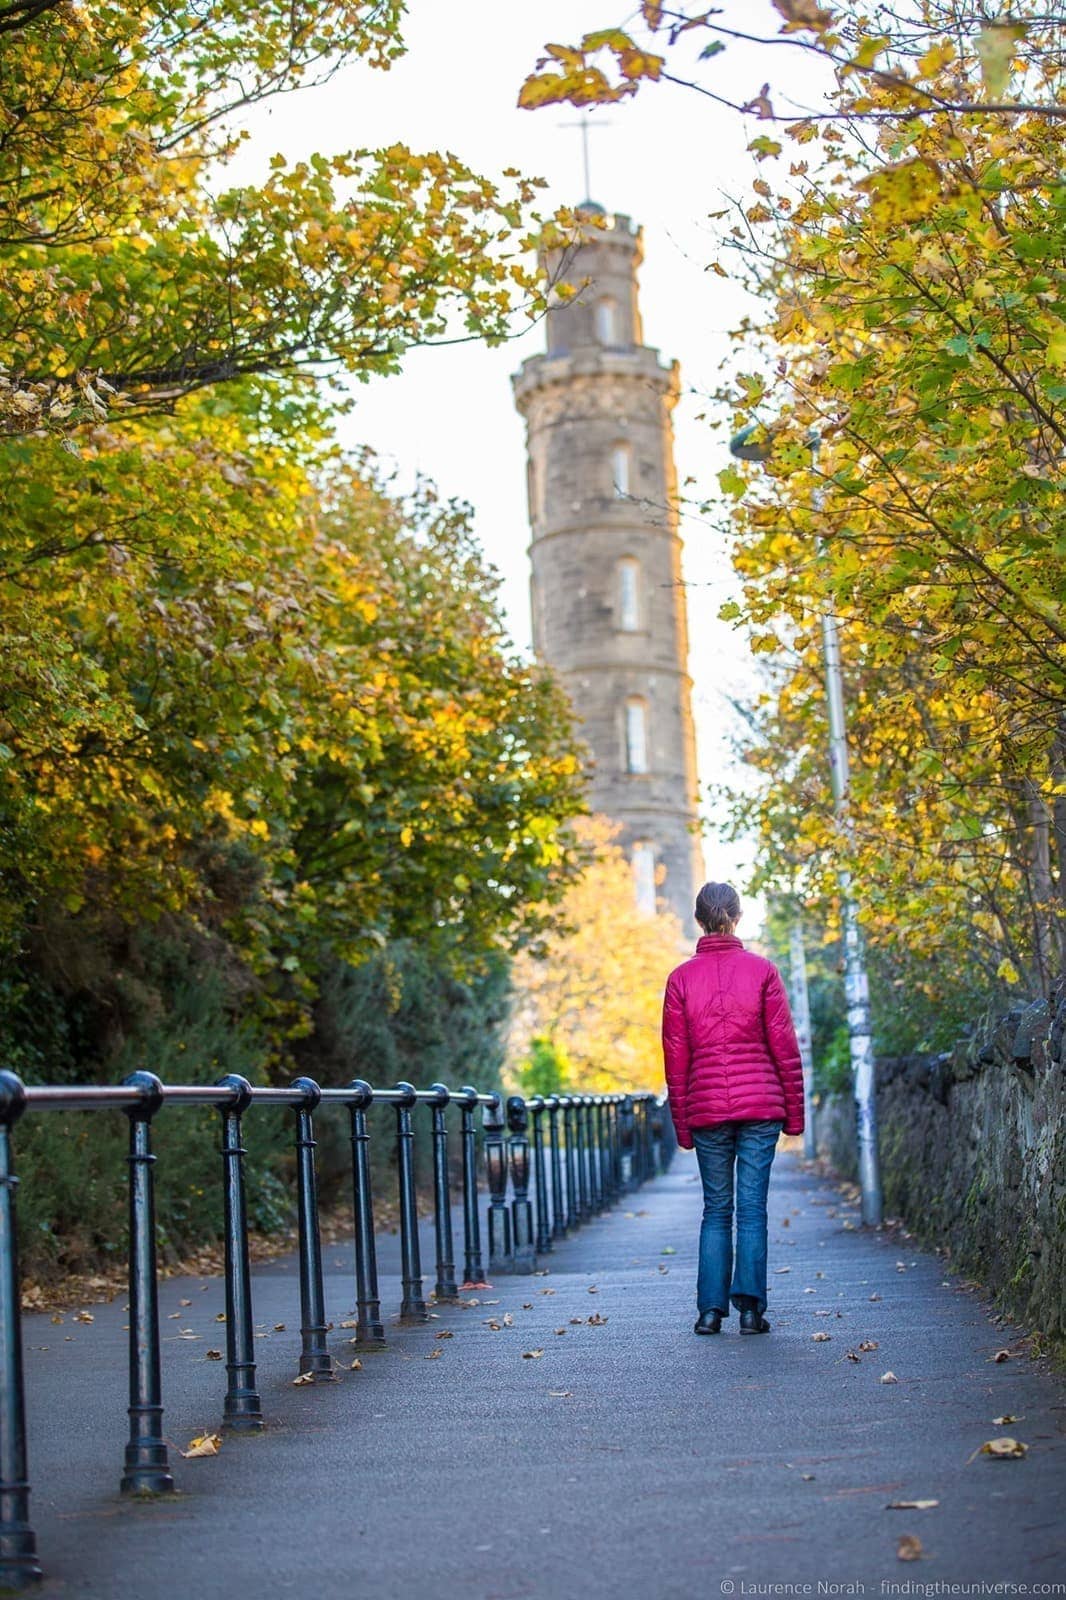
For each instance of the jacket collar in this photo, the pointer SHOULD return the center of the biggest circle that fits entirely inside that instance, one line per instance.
(711, 943)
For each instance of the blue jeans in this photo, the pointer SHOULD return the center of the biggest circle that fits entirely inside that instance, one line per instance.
(751, 1145)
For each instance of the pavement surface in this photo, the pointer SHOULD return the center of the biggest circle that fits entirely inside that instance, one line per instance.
(629, 1459)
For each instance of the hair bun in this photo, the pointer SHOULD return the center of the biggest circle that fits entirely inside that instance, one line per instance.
(717, 907)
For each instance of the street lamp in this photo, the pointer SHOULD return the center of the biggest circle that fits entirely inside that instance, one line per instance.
(753, 444)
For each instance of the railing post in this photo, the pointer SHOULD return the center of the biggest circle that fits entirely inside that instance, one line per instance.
(556, 1163)
(655, 1125)
(581, 1121)
(19, 1566)
(446, 1287)
(619, 1178)
(573, 1205)
(595, 1164)
(314, 1352)
(627, 1139)
(500, 1257)
(369, 1329)
(242, 1411)
(525, 1258)
(644, 1138)
(473, 1270)
(412, 1306)
(147, 1467)
(669, 1139)
(601, 1156)
(540, 1174)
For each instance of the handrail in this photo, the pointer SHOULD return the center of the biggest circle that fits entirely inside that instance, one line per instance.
(586, 1151)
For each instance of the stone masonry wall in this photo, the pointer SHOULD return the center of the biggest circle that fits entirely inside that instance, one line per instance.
(973, 1156)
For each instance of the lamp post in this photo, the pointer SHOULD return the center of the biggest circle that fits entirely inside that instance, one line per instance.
(752, 444)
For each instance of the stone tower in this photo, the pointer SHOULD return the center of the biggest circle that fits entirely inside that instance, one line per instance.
(608, 606)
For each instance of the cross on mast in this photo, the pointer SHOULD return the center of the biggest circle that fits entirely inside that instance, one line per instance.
(584, 124)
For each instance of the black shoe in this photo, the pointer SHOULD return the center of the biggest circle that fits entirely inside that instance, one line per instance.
(709, 1322)
(753, 1321)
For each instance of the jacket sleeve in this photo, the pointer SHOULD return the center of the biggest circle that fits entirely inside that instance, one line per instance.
(784, 1049)
(676, 1058)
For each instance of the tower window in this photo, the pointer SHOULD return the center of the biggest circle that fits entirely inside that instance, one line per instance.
(629, 594)
(636, 735)
(607, 321)
(620, 474)
(643, 862)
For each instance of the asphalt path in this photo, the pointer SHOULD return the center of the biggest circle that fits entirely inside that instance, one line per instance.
(628, 1460)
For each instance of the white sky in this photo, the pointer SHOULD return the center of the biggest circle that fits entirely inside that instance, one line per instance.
(667, 159)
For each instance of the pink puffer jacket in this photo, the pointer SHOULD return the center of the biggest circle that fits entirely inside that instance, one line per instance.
(729, 1046)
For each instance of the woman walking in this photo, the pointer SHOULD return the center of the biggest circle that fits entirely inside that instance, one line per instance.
(735, 1081)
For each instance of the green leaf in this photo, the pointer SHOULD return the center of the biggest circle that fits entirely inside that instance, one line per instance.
(995, 51)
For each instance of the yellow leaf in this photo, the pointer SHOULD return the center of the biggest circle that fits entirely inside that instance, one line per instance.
(1005, 1449)
(1007, 971)
(205, 1444)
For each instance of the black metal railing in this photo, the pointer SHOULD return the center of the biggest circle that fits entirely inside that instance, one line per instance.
(578, 1152)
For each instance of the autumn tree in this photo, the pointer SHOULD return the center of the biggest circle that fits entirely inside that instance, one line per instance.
(589, 996)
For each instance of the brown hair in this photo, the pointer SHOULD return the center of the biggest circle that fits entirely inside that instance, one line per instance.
(717, 907)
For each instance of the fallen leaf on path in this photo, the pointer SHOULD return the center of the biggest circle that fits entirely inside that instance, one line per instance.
(445, 1333)
(356, 1366)
(1005, 1449)
(305, 1377)
(577, 1320)
(547, 1291)
(909, 1548)
(782, 1269)
(494, 1325)
(212, 1355)
(868, 1344)
(434, 1355)
(786, 1222)
(595, 1321)
(57, 1319)
(559, 1330)
(83, 1316)
(875, 1297)
(172, 1316)
(593, 1289)
(911, 1505)
(560, 1394)
(184, 1302)
(849, 1355)
(508, 1320)
(1001, 1355)
(205, 1444)
(1005, 1420)
(808, 1477)
(889, 1377)
(819, 1274)
(351, 1322)
(279, 1327)
(662, 1268)
(532, 1355)
(527, 1305)
(668, 1250)
(820, 1338)
(810, 1291)
(220, 1316)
